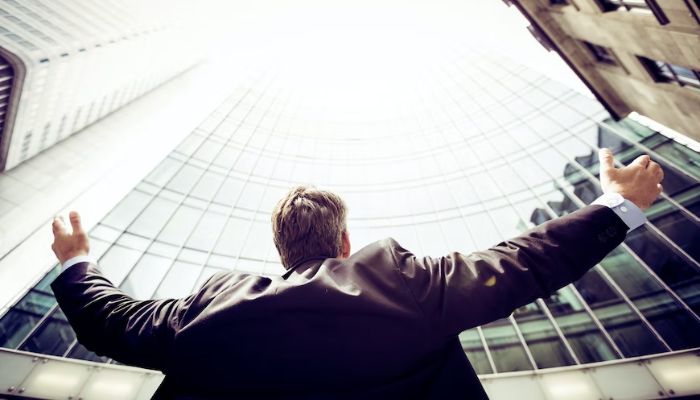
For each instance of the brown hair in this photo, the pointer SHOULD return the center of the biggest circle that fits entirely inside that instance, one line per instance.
(308, 222)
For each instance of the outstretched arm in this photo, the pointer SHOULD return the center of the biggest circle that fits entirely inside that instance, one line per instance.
(458, 291)
(106, 320)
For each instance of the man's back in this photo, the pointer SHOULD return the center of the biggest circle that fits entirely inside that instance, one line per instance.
(336, 327)
(380, 324)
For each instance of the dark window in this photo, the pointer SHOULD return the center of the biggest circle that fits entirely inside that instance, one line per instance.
(601, 54)
(627, 5)
(635, 5)
(559, 2)
(667, 72)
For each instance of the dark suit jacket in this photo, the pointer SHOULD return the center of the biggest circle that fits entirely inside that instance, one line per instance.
(380, 324)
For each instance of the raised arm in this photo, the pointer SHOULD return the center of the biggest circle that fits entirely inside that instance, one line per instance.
(106, 320)
(459, 291)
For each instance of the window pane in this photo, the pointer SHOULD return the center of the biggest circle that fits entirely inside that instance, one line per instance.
(163, 172)
(676, 325)
(505, 347)
(117, 262)
(185, 179)
(15, 325)
(125, 212)
(258, 240)
(179, 281)
(145, 276)
(207, 231)
(208, 185)
(471, 343)
(626, 329)
(53, 337)
(673, 269)
(545, 345)
(180, 225)
(233, 237)
(153, 218)
(578, 327)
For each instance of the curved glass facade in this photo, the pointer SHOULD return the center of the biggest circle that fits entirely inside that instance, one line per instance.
(480, 149)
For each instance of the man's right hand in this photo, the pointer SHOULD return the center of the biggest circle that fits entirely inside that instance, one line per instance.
(67, 245)
(639, 182)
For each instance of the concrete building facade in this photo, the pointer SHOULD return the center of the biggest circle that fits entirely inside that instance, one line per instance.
(634, 55)
(66, 64)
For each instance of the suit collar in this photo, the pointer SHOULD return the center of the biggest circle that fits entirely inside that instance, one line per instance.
(303, 263)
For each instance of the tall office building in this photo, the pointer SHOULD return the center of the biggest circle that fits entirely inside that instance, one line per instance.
(65, 64)
(478, 150)
(635, 55)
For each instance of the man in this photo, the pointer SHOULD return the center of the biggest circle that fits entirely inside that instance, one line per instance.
(380, 323)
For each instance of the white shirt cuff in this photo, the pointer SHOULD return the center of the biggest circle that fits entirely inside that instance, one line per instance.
(630, 214)
(76, 260)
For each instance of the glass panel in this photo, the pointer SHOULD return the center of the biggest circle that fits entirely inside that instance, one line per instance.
(125, 212)
(675, 325)
(545, 344)
(163, 172)
(258, 241)
(685, 73)
(680, 155)
(185, 179)
(680, 227)
(180, 225)
(677, 272)
(53, 337)
(506, 349)
(207, 231)
(117, 262)
(233, 237)
(208, 185)
(628, 332)
(179, 281)
(578, 327)
(471, 343)
(145, 276)
(15, 325)
(153, 218)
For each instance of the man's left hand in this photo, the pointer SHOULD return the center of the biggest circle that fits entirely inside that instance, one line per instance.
(67, 245)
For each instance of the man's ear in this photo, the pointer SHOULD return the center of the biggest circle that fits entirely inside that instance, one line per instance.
(346, 245)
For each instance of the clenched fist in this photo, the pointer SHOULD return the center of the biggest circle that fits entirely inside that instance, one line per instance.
(639, 182)
(68, 245)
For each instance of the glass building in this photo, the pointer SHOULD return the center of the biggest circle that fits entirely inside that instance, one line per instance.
(66, 64)
(480, 149)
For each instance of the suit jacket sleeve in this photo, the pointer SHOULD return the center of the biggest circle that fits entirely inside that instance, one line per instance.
(458, 291)
(112, 324)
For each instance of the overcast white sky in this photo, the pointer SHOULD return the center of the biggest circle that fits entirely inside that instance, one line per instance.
(276, 31)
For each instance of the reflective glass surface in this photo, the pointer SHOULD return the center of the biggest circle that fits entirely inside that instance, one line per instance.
(477, 151)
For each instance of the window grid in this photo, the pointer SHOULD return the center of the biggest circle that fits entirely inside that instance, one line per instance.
(581, 204)
(649, 151)
(435, 122)
(600, 326)
(135, 218)
(510, 320)
(517, 329)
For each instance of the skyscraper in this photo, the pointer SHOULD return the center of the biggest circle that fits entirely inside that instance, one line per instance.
(637, 55)
(66, 64)
(477, 150)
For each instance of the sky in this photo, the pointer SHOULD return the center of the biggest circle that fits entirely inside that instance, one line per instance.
(375, 36)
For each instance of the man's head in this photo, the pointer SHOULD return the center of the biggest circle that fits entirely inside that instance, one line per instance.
(307, 223)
